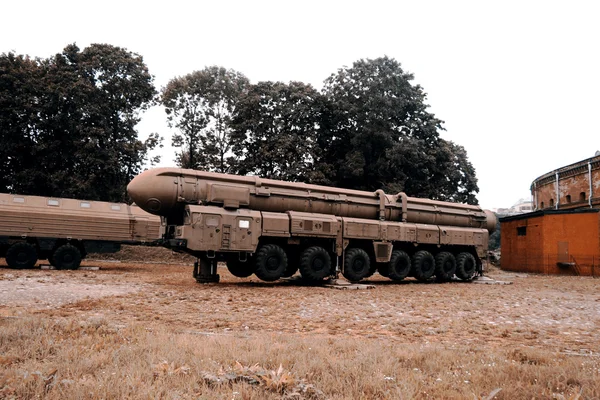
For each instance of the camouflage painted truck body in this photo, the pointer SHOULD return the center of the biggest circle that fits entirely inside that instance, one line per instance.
(273, 228)
(65, 230)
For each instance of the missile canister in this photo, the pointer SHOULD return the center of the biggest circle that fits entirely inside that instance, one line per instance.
(163, 191)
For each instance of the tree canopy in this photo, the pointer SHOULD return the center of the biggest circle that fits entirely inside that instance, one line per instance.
(370, 128)
(200, 106)
(381, 135)
(67, 123)
(68, 127)
(275, 131)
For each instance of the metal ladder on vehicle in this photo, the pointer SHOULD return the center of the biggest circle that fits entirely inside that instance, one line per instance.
(226, 237)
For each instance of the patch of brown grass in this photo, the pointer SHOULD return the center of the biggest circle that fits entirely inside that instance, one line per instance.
(91, 358)
(169, 337)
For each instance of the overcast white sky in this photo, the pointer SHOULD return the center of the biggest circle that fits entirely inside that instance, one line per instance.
(516, 82)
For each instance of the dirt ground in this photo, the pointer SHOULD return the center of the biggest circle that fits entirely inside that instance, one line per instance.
(557, 313)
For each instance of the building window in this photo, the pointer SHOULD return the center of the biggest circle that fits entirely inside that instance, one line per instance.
(582, 196)
(521, 230)
(19, 199)
(568, 198)
(551, 202)
(53, 202)
(85, 204)
(542, 206)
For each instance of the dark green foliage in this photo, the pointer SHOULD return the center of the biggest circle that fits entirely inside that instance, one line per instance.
(380, 135)
(19, 105)
(69, 122)
(200, 106)
(276, 128)
(369, 129)
(67, 127)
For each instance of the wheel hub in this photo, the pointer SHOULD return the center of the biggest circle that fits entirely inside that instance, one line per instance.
(318, 264)
(448, 266)
(272, 263)
(358, 265)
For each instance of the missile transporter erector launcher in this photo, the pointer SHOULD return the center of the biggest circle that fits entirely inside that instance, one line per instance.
(274, 228)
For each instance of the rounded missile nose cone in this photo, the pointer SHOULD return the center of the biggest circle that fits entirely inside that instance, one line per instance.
(153, 192)
(491, 221)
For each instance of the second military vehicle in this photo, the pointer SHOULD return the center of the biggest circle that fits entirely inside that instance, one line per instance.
(64, 231)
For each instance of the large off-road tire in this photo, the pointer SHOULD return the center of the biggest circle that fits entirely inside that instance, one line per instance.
(21, 255)
(399, 266)
(423, 265)
(357, 265)
(67, 256)
(465, 266)
(315, 264)
(240, 269)
(445, 266)
(270, 262)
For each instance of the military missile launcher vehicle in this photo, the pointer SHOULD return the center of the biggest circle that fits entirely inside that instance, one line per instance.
(273, 228)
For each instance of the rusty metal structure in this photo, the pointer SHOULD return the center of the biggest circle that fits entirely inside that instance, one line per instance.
(274, 228)
(64, 231)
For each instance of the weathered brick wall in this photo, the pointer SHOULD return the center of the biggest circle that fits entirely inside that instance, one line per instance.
(573, 186)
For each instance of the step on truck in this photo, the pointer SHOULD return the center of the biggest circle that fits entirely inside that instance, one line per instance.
(63, 231)
(273, 229)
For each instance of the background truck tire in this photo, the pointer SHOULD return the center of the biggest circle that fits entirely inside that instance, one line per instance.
(67, 256)
(21, 255)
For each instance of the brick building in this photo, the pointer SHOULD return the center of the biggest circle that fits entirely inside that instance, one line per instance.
(573, 186)
(562, 235)
(552, 242)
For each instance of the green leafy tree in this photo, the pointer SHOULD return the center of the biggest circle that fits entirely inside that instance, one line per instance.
(20, 105)
(453, 176)
(442, 172)
(81, 140)
(200, 106)
(381, 135)
(275, 131)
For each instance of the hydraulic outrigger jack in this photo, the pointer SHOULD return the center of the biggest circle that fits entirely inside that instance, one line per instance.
(205, 271)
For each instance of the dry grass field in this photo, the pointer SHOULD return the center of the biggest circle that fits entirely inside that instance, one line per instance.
(148, 330)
